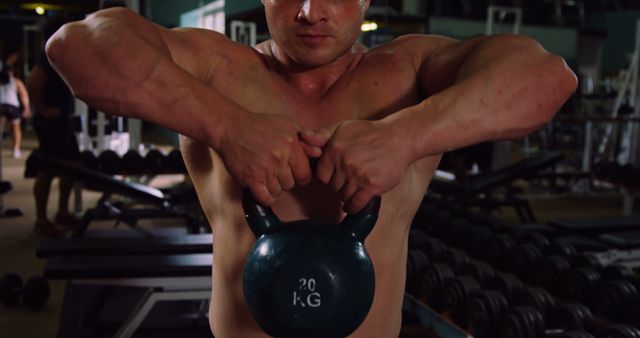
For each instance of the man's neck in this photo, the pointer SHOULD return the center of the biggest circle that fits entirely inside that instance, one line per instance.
(316, 81)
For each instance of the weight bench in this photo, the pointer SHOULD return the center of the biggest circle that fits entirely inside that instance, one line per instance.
(165, 277)
(476, 191)
(188, 244)
(158, 204)
(597, 226)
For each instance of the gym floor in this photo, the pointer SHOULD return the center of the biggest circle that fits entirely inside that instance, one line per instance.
(18, 242)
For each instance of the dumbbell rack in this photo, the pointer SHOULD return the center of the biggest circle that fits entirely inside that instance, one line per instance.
(430, 318)
(14, 212)
(449, 230)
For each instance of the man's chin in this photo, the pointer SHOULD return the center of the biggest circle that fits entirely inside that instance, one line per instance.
(314, 61)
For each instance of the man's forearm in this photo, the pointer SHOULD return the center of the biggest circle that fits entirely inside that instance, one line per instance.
(119, 64)
(503, 91)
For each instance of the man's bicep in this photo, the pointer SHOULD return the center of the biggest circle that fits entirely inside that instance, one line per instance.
(196, 50)
(442, 61)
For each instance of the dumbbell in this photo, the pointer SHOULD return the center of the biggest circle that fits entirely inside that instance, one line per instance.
(35, 292)
(418, 239)
(535, 297)
(5, 187)
(486, 310)
(417, 261)
(572, 334)
(633, 313)
(453, 234)
(157, 161)
(133, 163)
(89, 160)
(473, 241)
(435, 222)
(434, 278)
(497, 250)
(617, 287)
(560, 248)
(175, 162)
(613, 298)
(485, 221)
(455, 258)
(536, 238)
(434, 248)
(522, 322)
(576, 317)
(548, 273)
(619, 331)
(531, 247)
(521, 260)
(110, 162)
(580, 283)
(604, 289)
(507, 284)
(481, 271)
(457, 293)
(567, 317)
(424, 217)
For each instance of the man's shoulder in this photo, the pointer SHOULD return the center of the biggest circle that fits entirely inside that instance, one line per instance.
(412, 46)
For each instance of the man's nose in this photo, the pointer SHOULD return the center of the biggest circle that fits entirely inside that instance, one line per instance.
(313, 11)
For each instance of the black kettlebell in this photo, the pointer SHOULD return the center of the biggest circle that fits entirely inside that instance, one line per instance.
(308, 278)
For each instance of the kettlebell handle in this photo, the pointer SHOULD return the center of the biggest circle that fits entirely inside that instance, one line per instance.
(262, 219)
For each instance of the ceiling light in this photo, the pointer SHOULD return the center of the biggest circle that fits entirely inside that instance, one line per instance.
(369, 26)
(40, 10)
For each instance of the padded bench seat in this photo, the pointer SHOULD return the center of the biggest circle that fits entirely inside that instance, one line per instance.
(597, 226)
(128, 266)
(97, 246)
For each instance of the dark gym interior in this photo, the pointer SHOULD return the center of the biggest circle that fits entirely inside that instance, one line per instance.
(533, 237)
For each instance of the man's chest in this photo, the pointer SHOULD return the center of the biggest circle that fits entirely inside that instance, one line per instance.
(373, 90)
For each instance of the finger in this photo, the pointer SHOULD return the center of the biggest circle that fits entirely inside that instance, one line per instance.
(325, 169)
(311, 151)
(274, 186)
(359, 199)
(348, 190)
(299, 166)
(285, 178)
(261, 194)
(337, 181)
(318, 138)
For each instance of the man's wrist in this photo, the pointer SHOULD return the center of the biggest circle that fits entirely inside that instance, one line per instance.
(223, 125)
(407, 129)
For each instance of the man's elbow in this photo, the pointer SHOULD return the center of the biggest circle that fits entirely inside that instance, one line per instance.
(64, 40)
(566, 79)
(561, 85)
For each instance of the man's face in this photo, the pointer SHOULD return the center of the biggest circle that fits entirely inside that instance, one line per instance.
(315, 32)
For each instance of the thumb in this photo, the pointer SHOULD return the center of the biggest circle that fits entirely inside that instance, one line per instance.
(317, 138)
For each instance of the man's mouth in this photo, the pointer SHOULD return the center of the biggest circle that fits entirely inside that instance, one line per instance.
(314, 39)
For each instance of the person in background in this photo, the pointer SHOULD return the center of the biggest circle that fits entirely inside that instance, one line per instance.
(14, 102)
(54, 106)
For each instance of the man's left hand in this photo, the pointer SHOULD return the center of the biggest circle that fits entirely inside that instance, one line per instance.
(360, 159)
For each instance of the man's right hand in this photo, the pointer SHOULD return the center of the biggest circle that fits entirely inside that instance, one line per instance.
(263, 152)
